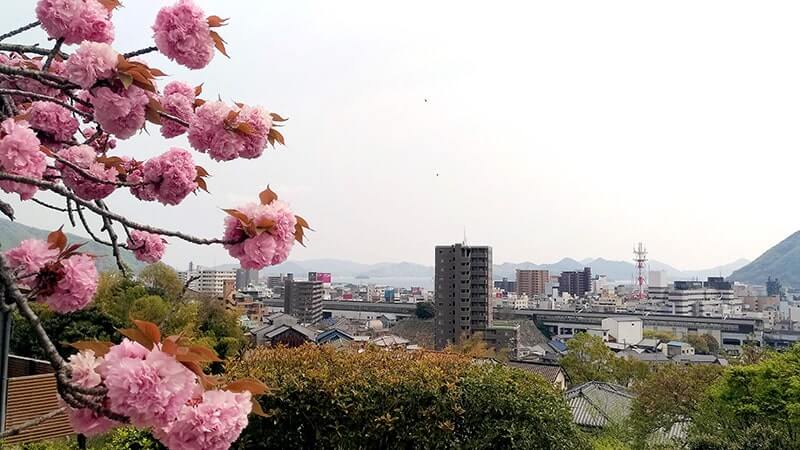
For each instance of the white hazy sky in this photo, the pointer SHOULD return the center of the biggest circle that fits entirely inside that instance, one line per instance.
(556, 128)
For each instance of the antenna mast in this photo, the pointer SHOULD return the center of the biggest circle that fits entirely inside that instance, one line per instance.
(640, 258)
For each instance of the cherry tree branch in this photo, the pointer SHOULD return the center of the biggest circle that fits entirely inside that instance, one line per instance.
(48, 205)
(90, 176)
(7, 210)
(140, 52)
(56, 49)
(112, 235)
(19, 48)
(45, 78)
(19, 30)
(32, 423)
(46, 98)
(69, 213)
(88, 229)
(173, 118)
(55, 188)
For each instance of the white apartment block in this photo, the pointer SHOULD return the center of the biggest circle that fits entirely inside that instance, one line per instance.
(711, 298)
(209, 281)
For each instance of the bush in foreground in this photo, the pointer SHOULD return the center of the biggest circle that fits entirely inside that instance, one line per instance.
(323, 398)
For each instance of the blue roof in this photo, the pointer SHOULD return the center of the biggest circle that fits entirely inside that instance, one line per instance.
(558, 346)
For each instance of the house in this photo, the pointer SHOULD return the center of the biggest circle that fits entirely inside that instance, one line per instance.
(597, 405)
(700, 359)
(390, 341)
(624, 330)
(553, 373)
(674, 348)
(643, 356)
(648, 345)
(289, 335)
(333, 334)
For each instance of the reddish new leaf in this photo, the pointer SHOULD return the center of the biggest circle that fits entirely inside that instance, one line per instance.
(149, 329)
(201, 172)
(239, 215)
(201, 184)
(136, 335)
(216, 21)
(277, 136)
(57, 239)
(251, 385)
(277, 118)
(257, 410)
(110, 5)
(219, 43)
(267, 196)
(100, 348)
(198, 89)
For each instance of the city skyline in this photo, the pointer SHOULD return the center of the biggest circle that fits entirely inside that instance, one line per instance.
(670, 138)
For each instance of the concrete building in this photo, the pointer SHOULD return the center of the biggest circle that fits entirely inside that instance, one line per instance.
(575, 283)
(463, 283)
(303, 299)
(532, 282)
(624, 329)
(712, 298)
(657, 278)
(207, 281)
(758, 303)
(506, 285)
(246, 277)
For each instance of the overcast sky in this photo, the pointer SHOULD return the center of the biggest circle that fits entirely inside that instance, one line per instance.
(551, 129)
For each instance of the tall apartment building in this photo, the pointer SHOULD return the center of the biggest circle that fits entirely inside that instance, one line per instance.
(246, 277)
(303, 300)
(576, 283)
(532, 282)
(208, 281)
(463, 285)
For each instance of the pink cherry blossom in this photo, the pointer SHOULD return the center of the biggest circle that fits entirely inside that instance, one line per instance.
(120, 112)
(209, 132)
(267, 248)
(84, 156)
(76, 286)
(127, 349)
(20, 155)
(75, 20)
(28, 258)
(178, 100)
(182, 34)
(150, 391)
(92, 61)
(147, 247)
(84, 373)
(170, 177)
(102, 143)
(212, 424)
(54, 122)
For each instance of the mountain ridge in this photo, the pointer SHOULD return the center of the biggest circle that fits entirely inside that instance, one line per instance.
(781, 261)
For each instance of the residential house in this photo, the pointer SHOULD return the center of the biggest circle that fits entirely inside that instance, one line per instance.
(553, 373)
(333, 334)
(598, 405)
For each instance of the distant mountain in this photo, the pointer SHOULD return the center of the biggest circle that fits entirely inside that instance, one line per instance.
(781, 261)
(12, 233)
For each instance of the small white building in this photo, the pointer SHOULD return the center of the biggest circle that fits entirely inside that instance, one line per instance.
(624, 329)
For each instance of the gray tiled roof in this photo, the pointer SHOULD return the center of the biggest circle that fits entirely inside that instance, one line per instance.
(548, 371)
(595, 404)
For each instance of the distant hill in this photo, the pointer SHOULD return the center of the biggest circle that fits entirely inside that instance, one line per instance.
(781, 261)
(12, 233)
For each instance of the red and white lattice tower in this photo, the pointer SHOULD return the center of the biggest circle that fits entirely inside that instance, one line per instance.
(640, 258)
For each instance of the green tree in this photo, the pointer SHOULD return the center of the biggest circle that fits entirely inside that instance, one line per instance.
(660, 335)
(752, 406)
(704, 344)
(425, 310)
(589, 359)
(670, 394)
(162, 280)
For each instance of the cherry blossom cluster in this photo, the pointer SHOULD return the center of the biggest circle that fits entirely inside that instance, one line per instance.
(60, 277)
(155, 391)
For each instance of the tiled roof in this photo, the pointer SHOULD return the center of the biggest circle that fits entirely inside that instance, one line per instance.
(278, 329)
(595, 404)
(330, 334)
(389, 340)
(548, 371)
(700, 359)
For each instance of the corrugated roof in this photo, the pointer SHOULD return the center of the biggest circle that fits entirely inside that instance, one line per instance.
(30, 397)
(548, 371)
(595, 404)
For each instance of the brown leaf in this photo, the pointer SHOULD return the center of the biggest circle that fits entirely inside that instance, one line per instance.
(157, 73)
(238, 214)
(198, 89)
(277, 136)
(57, 239)
(198, 102)
(219, 43)
(245, 128)
(149, 329)
(298, 234)
(267, 196)
(201, 184)
(257, 410)
(230, 119)
(239, 104)
(277, 118)
(169, 347)
(136, 335)
(71, 250)
(216, 21)
(110, 5)
(302, 222)
(201, 172)
(204, 352)
(264, 224)
(250, 385)
(151, 112)
(100, 348)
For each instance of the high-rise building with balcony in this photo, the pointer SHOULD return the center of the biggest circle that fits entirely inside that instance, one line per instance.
(532, 282)
(463, 284)
(576, 283)
(303, 300)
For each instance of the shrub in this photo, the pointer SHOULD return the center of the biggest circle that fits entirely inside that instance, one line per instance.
(323, 398)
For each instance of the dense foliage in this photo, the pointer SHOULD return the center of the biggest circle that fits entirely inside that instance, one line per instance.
(753, 406)
(589, 359)
(323, 398)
